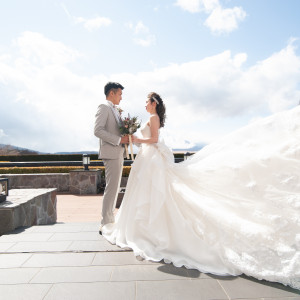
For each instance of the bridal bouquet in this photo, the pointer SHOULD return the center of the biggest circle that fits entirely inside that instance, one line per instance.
(129, 127)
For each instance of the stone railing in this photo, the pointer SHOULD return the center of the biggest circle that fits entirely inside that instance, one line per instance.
(75, 182)
(60, 181)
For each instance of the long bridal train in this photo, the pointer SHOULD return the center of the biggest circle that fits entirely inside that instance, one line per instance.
(233, 208)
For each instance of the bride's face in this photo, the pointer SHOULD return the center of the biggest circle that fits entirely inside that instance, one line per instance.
(149, 106)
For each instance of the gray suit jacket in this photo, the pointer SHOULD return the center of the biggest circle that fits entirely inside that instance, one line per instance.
(108, 132)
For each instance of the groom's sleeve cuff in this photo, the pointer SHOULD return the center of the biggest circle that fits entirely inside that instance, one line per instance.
(119, 142)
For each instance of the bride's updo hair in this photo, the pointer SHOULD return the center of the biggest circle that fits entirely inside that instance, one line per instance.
(160, 107)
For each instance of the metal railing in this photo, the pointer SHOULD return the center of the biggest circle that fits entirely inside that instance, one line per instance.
(63, 163)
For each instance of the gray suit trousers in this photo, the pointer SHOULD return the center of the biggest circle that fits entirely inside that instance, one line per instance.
(113, 174)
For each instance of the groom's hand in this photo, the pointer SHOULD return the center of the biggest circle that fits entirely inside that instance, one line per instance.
(124, 139)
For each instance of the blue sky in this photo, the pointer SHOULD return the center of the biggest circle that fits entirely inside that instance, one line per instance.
(218, 65)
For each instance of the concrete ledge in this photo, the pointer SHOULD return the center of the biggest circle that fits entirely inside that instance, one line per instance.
(27, 207)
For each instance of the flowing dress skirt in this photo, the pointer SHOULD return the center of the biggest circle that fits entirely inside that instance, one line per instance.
(232, 208)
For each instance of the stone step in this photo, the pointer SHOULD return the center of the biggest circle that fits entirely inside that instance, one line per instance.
(27, 207)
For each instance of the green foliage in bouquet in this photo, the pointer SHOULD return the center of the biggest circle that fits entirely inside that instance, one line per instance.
(130, 125)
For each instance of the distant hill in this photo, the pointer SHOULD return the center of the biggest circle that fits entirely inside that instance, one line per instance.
(14, 150)
(192, 149)
(78, 152)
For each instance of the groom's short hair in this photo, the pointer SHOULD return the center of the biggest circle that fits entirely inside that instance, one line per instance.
(112, 86)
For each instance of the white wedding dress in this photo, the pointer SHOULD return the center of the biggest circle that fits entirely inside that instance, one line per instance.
(232, 208)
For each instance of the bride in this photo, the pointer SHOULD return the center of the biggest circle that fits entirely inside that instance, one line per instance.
(232, 208)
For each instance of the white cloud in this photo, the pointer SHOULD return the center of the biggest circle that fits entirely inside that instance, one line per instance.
(195, 6)
(50, 108)
(2, 134)
(66, 10)
(44, 52)
(146, 42)
(225, 20)
(48, 97)
(210, 5)
(142, 34)
(89, 24)
(220, 20)
(192, 6)
(93, 24)
(140, 28)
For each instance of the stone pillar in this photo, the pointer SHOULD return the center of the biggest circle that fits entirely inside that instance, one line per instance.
(85, 182)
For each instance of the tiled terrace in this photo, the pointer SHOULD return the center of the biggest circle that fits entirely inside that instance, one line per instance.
(70, 260)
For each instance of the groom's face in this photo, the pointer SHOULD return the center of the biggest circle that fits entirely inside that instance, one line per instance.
(117, 96)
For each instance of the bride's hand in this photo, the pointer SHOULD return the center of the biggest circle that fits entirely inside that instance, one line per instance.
(134, 139)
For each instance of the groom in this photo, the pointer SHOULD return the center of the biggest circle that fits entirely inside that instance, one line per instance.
(107, 125)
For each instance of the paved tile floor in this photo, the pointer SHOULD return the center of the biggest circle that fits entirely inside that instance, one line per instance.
(70, 260)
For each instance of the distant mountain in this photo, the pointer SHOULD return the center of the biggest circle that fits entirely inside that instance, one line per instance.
(14, 150)
(196, 148)
(78, 152)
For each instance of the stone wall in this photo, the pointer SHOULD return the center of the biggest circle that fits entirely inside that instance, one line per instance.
(60, 181)
(75, 182)
(27, 207)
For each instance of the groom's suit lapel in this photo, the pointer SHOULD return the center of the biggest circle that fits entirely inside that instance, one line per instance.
(115, 116)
